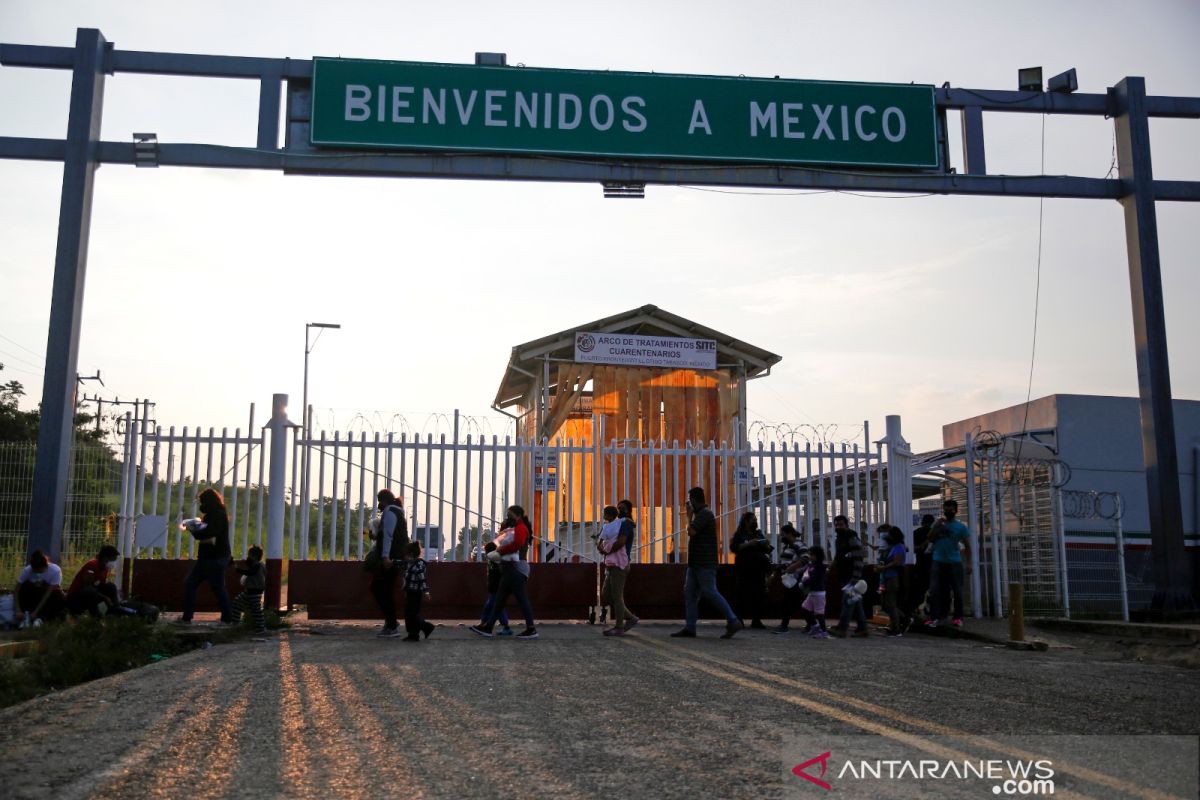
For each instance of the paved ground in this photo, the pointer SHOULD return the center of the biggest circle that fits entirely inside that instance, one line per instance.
(327, 710)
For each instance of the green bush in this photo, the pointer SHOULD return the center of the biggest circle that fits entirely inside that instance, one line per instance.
(83, 649)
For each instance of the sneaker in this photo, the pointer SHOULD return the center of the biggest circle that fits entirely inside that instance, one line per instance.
(731, 628)
(839, 633)
(37, 623)
(528, 634)
(24, 624)
(481, 631)
(505, 631)
(428, 629)
(614, 632)
(780, 629)
(820, 634)
(630, 623)
(864, 633)
(894, 634)
(956, 622)
(757, 625)
(684, 633)
(931, 623)
(181, 622)
(388, 633)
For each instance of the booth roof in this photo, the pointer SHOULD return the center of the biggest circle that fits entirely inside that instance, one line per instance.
(526, 360)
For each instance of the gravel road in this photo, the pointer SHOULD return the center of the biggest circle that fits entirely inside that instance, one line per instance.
(331, 711)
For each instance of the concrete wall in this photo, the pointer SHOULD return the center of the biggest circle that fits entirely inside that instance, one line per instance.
(1100, 439)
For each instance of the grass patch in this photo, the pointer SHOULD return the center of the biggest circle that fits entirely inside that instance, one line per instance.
(84, 649)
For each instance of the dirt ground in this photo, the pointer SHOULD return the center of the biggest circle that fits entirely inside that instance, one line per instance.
(328, 710)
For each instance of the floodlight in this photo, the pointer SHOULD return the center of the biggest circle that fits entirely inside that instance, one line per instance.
(145, 149)
(1064, 82)
(491, 59)
(1029, 79)
(616, 189)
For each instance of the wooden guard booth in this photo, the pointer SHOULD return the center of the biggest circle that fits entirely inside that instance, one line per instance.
(560, 399)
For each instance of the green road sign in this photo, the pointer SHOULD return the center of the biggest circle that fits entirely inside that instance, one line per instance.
(451, 107)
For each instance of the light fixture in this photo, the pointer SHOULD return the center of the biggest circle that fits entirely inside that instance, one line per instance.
(626, 189)
(1029, 79)
(145, 149)
(1064, 82)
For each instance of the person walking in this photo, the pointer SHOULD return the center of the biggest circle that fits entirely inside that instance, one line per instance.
(416, 589)
(512, 546)
(616, 563)
(701, 576)
(793, 558)
(751, 563)
(892, 566)
(391, 538)
(254, 585)
(946, 577)
(629, 531)
(918, 586)
(848, 565)
(211, 531)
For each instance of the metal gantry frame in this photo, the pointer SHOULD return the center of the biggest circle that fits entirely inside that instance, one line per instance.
(93, 58)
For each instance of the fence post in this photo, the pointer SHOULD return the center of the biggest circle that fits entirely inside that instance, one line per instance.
(1121, 560)
(1062, 553)
(899, 489)
(973, 516)
(275, 488)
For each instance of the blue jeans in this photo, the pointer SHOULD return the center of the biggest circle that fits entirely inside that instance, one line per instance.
(702, 582)
(512, 581)
(212, 571)
(502, 617)
(946, 581)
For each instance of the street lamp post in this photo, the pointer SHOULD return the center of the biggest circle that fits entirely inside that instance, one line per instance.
(304, 488)
(308, 349)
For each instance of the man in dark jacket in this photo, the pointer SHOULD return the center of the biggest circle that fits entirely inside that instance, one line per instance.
(848, 561)
(701, 577)
(390, 541)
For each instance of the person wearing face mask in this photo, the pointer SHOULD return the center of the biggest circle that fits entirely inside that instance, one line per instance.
(92, 591)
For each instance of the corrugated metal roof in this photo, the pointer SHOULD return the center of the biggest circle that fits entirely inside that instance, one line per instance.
(649, 320)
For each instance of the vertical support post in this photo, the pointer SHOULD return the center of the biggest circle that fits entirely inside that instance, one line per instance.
(899, 486)
(1173, 589)
(51, 474)
(278, 426)
(1062, 551)
(1120, 512)
(974, 162)
(973, 516)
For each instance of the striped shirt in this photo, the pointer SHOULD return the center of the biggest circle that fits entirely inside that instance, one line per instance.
(414, 577)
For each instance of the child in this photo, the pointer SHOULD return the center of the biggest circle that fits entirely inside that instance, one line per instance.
(814, 605)
(893, 566)
(493, 583)
(415, 588)
(254, 583)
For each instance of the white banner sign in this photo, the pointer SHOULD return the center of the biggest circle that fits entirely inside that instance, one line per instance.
(645, 351)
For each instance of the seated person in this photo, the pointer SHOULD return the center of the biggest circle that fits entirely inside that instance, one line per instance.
(92, 591)
(39, 591)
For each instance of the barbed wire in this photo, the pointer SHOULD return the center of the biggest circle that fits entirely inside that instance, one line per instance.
(806, 433)
(1078, 504)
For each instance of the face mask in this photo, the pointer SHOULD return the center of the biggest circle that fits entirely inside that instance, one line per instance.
(111, 566)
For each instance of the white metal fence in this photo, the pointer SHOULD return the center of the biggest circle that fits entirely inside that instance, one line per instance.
(455, 492)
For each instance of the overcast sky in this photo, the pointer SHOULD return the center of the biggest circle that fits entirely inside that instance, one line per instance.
(200, 281)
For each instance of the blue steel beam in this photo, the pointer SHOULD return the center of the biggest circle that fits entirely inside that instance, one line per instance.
(56, 432)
